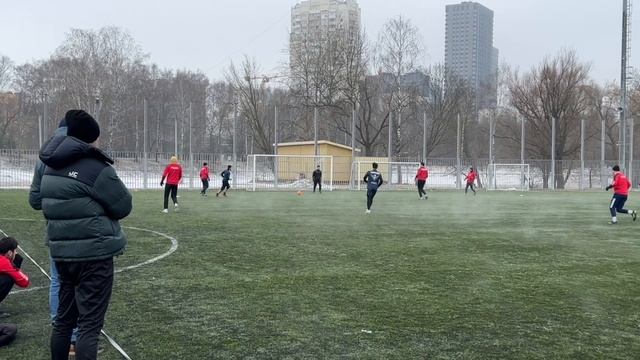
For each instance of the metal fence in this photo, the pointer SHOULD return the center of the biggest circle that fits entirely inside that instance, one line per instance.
(16, 171)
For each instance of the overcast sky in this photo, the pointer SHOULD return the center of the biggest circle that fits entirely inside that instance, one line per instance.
(208, 34)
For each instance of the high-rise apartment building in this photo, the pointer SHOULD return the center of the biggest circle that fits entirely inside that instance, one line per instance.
(314, 20)
(469, 51)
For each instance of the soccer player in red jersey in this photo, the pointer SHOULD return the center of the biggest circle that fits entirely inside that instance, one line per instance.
(421, 179)
(471, 178)
(204, 177)
(173, 174)
(621, 186)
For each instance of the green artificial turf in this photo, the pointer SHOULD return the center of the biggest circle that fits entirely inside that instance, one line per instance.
(281, 276)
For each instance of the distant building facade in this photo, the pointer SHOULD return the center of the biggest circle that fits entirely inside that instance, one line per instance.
(314, 19)
(469, 51)
(315, 23)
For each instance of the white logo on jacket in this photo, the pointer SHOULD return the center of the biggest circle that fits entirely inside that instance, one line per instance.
(73, 174)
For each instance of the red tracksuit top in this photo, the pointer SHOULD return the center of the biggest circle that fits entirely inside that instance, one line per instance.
(423, 173)
(204, 173)
(173, 173)
(7, 267)
(621, 184)
(471, 177)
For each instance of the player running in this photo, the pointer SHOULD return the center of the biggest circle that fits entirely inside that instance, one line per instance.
(421, 179)
(226, 176)
(373, 178)
(470, 178)
(621, 186)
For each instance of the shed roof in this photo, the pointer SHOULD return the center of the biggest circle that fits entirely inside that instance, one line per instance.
(320, 142)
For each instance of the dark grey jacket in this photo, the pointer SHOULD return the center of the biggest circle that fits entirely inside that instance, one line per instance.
(82, 199)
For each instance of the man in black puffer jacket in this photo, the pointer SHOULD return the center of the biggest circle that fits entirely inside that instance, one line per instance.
(82, 199)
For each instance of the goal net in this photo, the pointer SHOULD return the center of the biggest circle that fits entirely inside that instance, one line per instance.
(287, 172)
(396, 175)
(508, 177)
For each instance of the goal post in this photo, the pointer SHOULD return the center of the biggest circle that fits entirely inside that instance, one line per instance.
(267, 172)
(397, 175)
(509, 177)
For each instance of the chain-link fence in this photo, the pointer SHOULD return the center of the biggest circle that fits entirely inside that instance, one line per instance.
(16, 171)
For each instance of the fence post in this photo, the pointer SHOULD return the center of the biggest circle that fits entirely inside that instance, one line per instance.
(581, 154)
(553, 153)
(145, 168)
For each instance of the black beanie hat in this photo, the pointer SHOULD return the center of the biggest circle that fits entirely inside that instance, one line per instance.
(82, 126)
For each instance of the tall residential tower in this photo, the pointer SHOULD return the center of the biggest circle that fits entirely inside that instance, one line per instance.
(469, 51)
(312, 19)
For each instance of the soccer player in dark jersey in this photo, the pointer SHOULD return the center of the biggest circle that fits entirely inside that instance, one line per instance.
(317, 179)
(421, 179)
(373, 178)
(226, 176)
(621, 186)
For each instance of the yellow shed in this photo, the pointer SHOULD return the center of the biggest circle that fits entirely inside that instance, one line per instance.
(290, 168)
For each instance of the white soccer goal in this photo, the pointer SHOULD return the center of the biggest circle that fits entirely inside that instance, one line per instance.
(508, 177)
(287, 172)
(396, 175)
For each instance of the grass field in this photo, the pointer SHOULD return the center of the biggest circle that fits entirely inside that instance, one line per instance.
(280, 276)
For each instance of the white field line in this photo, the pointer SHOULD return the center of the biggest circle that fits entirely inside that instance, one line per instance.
(174, 247)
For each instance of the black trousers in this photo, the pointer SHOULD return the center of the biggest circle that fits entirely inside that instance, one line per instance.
(8, 333)
(317, 183)
(205, 186)
(469, 185)
(85, 291)
(173, 189)
(370, 195)
(6, 281)
(225, 185)
(421, 187)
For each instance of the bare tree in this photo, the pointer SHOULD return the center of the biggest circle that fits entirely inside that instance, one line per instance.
(250, 95)
(553, 90)
(444, 100)
(398, 50)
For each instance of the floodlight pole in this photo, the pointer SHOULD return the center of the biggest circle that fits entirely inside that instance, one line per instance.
(493, 175)
(630, 170)
(424, 136)
(581, 154)
(458, 182)
(353, 144)
(45, 116)
(315, 130)
(190, 147)
(602, 149)
(553, 153)
(390, 140)
(144, 145)
(235, 159)
(275, 145)
(522, 143)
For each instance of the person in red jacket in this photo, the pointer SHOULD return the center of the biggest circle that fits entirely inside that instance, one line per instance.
(173, 174)
(471, 178)
(621, 186)
(421, 179)
(204, 177)
(10, 263)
